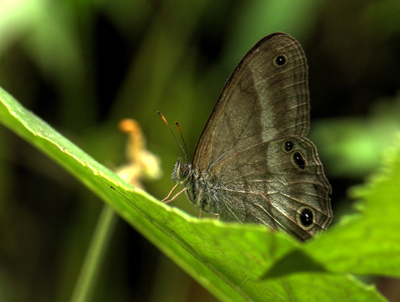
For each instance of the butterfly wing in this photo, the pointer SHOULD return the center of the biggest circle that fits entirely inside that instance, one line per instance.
(266, 183)
(260, 101)
(256, 175)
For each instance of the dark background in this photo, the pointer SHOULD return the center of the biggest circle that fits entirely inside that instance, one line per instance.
(83, 66)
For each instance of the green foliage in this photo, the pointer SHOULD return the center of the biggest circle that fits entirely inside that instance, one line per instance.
(358, 140)
(265, 265)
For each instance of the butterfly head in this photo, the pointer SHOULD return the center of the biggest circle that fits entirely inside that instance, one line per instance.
(182, 172)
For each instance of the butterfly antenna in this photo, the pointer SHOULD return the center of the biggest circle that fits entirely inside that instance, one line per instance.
(184, 150)
(183, 140)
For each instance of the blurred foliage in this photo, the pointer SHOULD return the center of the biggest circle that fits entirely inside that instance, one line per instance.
(85, 65)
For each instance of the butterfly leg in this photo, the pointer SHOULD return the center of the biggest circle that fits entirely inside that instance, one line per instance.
(169, 194)
(166, 200)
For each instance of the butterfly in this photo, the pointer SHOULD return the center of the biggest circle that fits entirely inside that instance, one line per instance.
(253, 162)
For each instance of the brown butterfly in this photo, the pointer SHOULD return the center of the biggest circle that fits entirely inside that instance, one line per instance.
(253, 162)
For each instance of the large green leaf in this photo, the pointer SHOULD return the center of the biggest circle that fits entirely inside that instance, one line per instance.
(239, 262)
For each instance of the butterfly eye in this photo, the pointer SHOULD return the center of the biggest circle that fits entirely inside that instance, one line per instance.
(185, 171)
(280, 60)
(298, 160)
(305, 218)
(288, 146)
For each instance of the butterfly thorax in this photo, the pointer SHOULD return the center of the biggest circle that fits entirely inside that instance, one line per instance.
(198, 185)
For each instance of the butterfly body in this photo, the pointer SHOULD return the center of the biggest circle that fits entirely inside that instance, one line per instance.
(253, 162)
(200, 189)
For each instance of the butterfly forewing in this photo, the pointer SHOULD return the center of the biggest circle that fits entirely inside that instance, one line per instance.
(260, 101)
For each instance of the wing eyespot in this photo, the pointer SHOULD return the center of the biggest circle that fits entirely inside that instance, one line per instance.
(305, 218)
(288, 146)
(280, 60)
(298, 160)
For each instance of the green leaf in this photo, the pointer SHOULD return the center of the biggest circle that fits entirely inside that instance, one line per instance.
(234, 262)
(368, 242)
